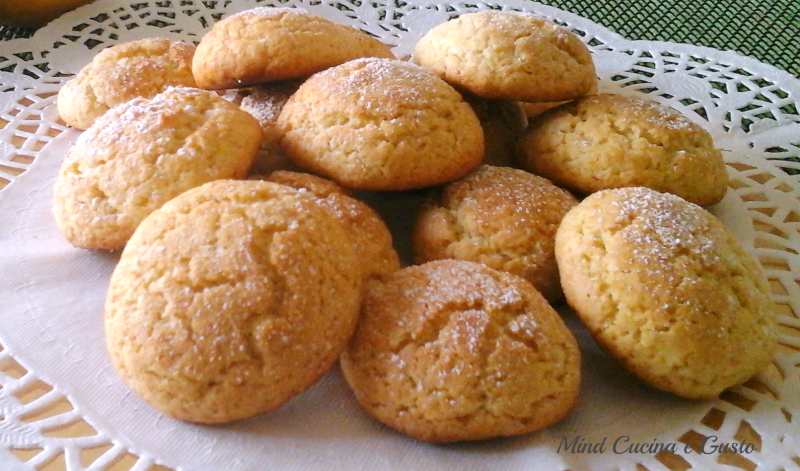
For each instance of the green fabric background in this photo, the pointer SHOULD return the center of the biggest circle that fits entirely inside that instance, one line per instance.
(768, 30)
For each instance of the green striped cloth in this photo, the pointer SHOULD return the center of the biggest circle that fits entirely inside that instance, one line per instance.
(768, 30)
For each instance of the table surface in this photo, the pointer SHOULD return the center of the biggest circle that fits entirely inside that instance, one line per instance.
(764, 29)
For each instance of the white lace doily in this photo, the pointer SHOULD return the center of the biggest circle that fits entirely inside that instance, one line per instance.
(60, 401)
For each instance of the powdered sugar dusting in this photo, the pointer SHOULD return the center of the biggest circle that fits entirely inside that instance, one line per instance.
(662, 115)
(266, 102)
(662, 226)
(385, 77)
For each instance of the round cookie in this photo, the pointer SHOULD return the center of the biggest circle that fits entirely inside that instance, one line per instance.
(499, 216)
(141, 68)
(508, 55)
(611, 141)
(453, 350)
(143, 153)
(381, 124)
(367, 230)
(267, 44)
(667, 290)
(265, 103)
(231, 299)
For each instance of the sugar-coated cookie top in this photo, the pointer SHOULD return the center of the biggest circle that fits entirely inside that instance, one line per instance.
(503, 217)
(231, 299)
(381, 124)
(667, 289)
(454, 350)
(119, 73)
(144, 152)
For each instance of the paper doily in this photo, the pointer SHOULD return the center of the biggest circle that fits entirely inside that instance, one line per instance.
(60, 401)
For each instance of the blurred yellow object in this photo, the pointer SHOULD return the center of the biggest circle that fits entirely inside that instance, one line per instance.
(34, 13)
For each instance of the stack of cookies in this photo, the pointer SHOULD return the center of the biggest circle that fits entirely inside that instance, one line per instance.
(249, 181)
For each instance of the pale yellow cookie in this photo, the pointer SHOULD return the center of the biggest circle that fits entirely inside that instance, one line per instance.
(141, 68)
(499, 216)
(381, 124)
(508, 55)
(265, 103)
(368, 232)
(231, 299)
(266, 44)
(454, 350)
(611, 141)
(667, 290)
(143, 153)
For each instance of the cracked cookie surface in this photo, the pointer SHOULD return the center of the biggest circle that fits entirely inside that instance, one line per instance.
(454, 350)
(502, 217)
(368, 232)
(231, 299)
(508, 55)
(121, 73)
(143, 153)
(380, 124)
(667, 290)
(266, 44)
(610, 141)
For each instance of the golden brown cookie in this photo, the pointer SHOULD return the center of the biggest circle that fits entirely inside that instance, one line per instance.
(143, 153)
(453, 350)
(508, 55)
(381, 124)
(502, 217)
(667, 290)
(141, 68)
(266, 44)
(231, 299)
(368, 232)
(611, 141)
(265, 103)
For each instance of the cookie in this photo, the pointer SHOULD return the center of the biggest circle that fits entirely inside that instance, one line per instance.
(265, 103)
(231, 299)
(667, 290)
(453, 350)
(141, 68)
(365, 227)
(266, 44)
(381, 124)
(143, 153)
(499, 216)
(508, 55)
(611, 141)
